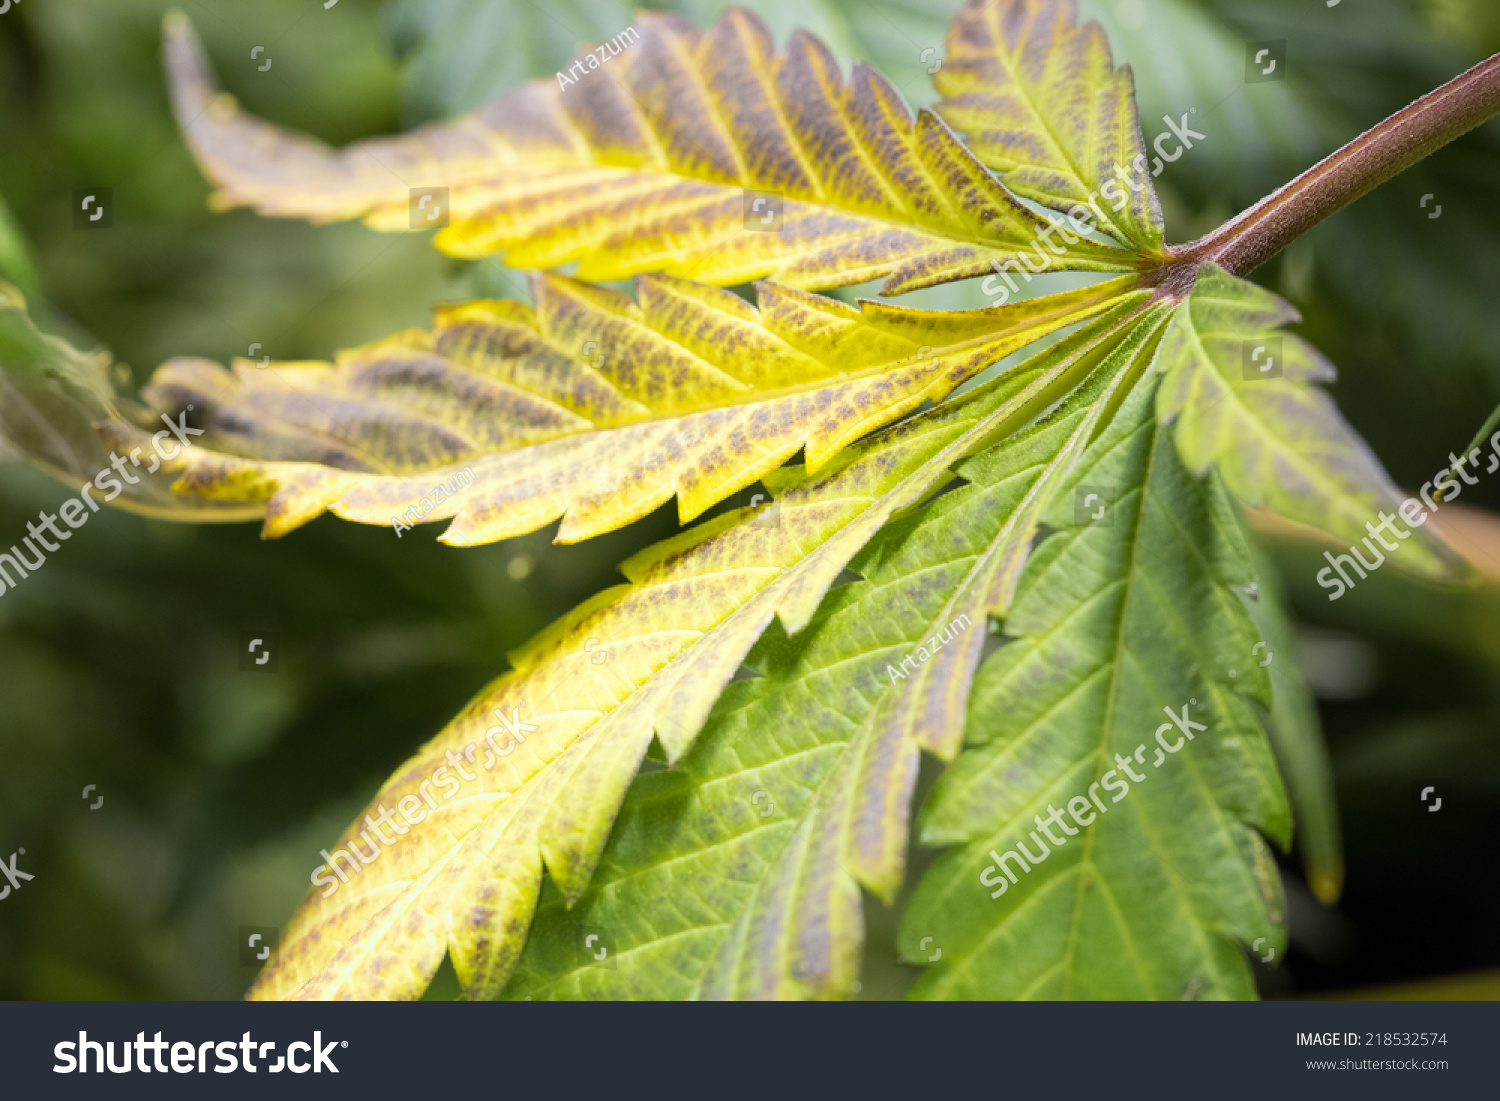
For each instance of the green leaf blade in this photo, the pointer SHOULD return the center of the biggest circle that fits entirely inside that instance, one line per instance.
(1243, 400)
(1113, 624)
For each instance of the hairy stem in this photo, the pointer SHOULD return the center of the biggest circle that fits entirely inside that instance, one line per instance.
(1245, 242)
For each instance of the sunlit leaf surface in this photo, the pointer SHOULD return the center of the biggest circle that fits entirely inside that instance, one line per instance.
(705, 154)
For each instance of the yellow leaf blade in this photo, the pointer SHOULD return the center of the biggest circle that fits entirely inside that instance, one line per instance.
(590, 407)
(1041, 102)
(702, 154)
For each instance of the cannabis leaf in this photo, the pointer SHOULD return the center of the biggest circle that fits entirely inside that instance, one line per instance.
(739, 874)
(1241, 397)
(1296, 737)
(1041, 101)
(54, 397)
(1082, 498)
(1128, 635)
(577, 713)
(705, 155)
(590, 406)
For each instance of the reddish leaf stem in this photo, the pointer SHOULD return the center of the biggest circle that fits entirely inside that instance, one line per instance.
(1245, 242)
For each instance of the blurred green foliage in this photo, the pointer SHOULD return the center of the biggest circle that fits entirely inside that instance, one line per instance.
(118, 660)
